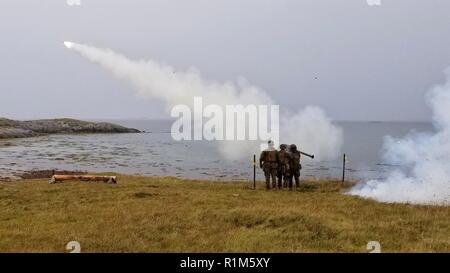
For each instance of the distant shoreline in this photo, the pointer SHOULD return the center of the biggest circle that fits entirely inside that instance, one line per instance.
(32, 128)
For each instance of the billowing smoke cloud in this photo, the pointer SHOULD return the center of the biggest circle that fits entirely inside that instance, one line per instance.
(423, 175)
(309, 128)
(315, 133)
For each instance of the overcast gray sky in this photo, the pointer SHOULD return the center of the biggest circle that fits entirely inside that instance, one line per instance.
(356, 61)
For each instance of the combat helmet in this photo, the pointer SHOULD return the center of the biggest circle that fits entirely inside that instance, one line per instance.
(293, 147)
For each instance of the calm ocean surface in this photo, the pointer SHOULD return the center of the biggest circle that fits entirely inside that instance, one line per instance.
(155, 153)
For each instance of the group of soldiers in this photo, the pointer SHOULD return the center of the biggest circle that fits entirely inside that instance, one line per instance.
(281, 166)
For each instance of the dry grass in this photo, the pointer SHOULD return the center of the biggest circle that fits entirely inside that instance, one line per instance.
(143, 214)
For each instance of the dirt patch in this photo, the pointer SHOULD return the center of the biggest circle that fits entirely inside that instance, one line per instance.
(144, 194)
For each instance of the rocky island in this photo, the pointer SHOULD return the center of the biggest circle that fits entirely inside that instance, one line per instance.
(29, 128)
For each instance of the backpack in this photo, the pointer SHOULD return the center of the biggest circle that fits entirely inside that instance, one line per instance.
(295, 160)
(283, 157)
(272, 156)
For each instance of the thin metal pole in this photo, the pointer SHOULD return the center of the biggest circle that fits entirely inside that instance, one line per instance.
(254, 172)
(343, 167)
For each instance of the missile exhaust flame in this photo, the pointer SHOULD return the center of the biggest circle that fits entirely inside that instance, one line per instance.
(68, 44)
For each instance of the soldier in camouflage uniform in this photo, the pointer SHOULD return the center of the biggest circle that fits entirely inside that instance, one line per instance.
(268, 161)
(283, 166)
(295, 166)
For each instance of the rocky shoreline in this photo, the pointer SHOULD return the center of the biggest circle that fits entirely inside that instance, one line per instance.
(31, 128)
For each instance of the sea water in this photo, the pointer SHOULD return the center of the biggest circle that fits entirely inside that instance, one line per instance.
(155, 153)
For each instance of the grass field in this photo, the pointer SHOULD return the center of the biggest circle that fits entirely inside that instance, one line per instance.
(142, 214)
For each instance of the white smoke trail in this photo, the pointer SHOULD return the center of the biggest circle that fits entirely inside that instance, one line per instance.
(423, 175)
(309, 128)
